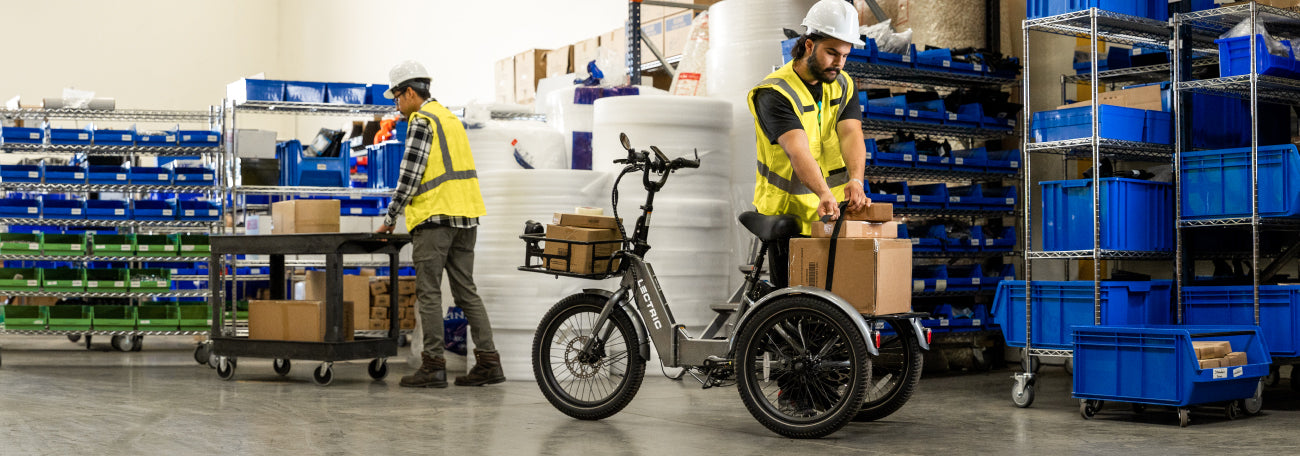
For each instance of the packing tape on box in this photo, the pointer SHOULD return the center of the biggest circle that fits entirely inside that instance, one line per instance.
(588, 210)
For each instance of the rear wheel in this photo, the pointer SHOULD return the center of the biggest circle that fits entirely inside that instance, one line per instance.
(593, 384)
(802, 367)
(894, 374)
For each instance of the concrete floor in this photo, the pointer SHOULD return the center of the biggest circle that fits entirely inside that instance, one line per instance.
(58, 398)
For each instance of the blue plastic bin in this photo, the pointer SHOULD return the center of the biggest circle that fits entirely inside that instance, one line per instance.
(1152, 9)
(1117, 122)
(1058, 306)
(926, 112)
(198, 210)
(62, 209)
(891, 108)
(965, 277)
(20, 208)
(147, 175)
(1006, 242)
(304, 92)
(159, 139)
(22, 135)
(941, 59)
(993, 278)
(72, 136)
(898, 155)
(1159, 127)
(951, 244)
(906, 60)
(924, 161)
(199, 138)
(368, 206)
(1135, 215)
(385, 164)
(1279, 312)
(106, 175)
(323, 171)
(256, 90)
(929, 196)
(345, 93)
(970, 159)
(968, 115)
(920, 243)
(107, 210)
(115, 137)
(1234, 58)
(930, 278)
(889, 192)
(375, 95)
(1216, 183)
(20, 173)
(64, 174)
(152, 210)
(193, 175)
(965, 197)
(1157, 365)
(999, 198)
(1003, 161)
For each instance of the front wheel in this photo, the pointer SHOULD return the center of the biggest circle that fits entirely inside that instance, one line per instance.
(592, 384)
(894, 374)
(801, 367)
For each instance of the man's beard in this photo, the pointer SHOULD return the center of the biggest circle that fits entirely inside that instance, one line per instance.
(822, 74)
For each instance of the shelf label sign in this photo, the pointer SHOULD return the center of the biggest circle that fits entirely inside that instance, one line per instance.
(121, 177)
(918, 285)
(975, 322)
(913, 113)
(941, 285)
(127, 138)
(954, 199)
(127, 247)
(189, 212)
(35, 136)
(76, 283)
(1015, 164)
(145, 322)
(952, 116)
(916, 241)
(162, 177)
(898, 111)
(119, 284)
(32, 283)
(868, 155)
(119, 211)
(947, 64)
(83, 136)
(33, 174)
(943, 322)
(979, 67)
(135, 284)
(975, 281)
(320, 167)
(31, 210)
(1220, 372)
(959, 161)
(76, 212)
(167, 212)
(916, 198)
(907, 158)
(1238, 372)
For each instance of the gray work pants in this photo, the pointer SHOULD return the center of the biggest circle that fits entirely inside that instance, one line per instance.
(436, 249)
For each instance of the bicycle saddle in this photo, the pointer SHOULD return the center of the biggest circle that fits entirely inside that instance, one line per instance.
(770, 228)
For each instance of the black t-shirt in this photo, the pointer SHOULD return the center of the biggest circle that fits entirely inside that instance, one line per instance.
(777, 117)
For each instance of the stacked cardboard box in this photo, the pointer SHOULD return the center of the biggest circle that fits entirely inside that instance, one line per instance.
(384, 301)
(873, 270)
(582, 258)
(876, 221)
(1212, 354)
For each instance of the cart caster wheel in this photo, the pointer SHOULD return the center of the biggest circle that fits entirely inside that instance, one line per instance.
(201, 353)
(1088, 408)
(137, 344)
(123, 343)
(1023, 398)
(1069, 366)
(1232, 410)
(87, 341)
(226, 368)
(1254, 405)
(1139, 408)
(281, 366)
(1029, 363)
(378, 368)
(323, 375)
(1184, 416)
(74, 338)
(1273, 378)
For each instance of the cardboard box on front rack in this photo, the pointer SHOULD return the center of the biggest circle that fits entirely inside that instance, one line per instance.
(305, 216)
(582, 258)
(302, 321)
(585, 221)
(874, 275)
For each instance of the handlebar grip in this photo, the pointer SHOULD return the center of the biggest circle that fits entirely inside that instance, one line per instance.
(682, 162)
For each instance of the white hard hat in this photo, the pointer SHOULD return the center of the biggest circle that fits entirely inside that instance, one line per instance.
(404, 72)
(836, 19)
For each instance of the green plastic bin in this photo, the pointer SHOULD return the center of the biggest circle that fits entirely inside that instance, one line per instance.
(64, 244)
(106, 280)
(64, 280)
(155, 245)
(20, 243)
(195, 317)
(150, 280)
(162, 317)
(112, 318)
(24, 317)
(193, 245)
(70, 318)
(113, 245)
(20, 279)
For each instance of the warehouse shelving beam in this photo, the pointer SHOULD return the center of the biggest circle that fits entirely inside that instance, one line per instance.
(635, 36)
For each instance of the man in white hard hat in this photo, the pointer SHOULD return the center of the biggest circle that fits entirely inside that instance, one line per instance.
(811, 152)
(439, 193)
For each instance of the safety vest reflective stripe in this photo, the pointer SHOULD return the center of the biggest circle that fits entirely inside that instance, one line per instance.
(843, 99)
(448, 174)
(835, 178)
(789, 91)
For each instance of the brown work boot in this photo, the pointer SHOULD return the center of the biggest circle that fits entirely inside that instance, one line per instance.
(432, 374)
(486, 371)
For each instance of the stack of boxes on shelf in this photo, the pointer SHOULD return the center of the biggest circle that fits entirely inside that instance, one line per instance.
(1212, 354)
(383, 301)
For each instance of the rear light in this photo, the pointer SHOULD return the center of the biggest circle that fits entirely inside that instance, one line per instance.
(928, 335)
(878, 340)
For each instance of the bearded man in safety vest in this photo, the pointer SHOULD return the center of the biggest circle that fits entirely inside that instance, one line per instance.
(438, 190)
(811, 152)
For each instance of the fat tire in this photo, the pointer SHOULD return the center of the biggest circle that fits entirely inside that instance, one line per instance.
(899, 393)
(546, 376)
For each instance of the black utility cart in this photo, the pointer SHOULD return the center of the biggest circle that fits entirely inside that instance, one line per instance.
(227, 347)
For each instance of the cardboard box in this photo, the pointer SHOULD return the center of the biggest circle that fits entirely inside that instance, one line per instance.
(293, 320)
(857, 229)
(382, 300)
(305, 216)
(405, 286)
(504, 71)
(1211, 363)
(558, 61)
(356, 290)
(378, 313)
(530, 67)
(584, 52)
(654, 34)
(875, 275)
(408, 302)
(379, 323)
(582, 256)
(408, 324)
(585, 221)
(1235, 359)
(378, 286)
(1146, 97)
(1211, 349)
(615, 41)
(677, 32)
(876, 212)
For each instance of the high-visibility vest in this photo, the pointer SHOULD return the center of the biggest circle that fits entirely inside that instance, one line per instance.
(777, 190)
(450, 183)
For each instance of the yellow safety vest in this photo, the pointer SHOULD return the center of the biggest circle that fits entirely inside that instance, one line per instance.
(450, 183)
(777, 190)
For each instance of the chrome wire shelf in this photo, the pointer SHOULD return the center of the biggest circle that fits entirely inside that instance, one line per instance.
(16, 148)
(914, 212)
(125, 115)
(160, 224)
(655, 65)
(890, 172)
(1124, 150)
(310, 191)
(963, 254)
(919, 78)
(300, 263)
(1286, 223)
(122, 188)
(106, 258)
(1271, 89)
(47, 332)
(502, 115)
(1104, 254)
(1114, 28)
(1149, 73)
(147, 294)
(951, 294)
(1207, 25)
(1051, 353)
(322, 109)
(889, 127)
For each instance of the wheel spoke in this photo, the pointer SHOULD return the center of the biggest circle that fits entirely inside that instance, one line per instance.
(781, 330)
